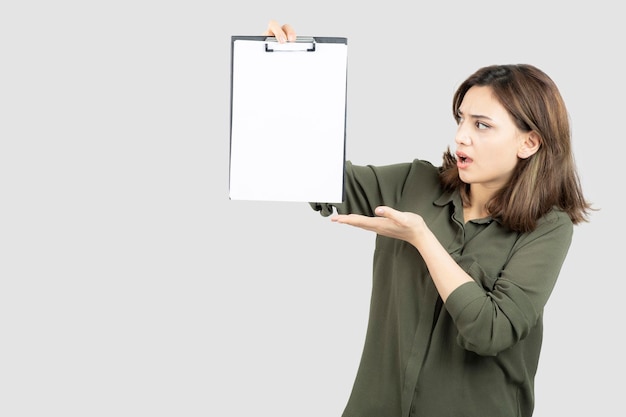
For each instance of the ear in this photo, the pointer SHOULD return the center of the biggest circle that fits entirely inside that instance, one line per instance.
(529, 146)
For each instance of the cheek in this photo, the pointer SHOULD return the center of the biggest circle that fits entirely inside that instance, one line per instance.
(504, 159)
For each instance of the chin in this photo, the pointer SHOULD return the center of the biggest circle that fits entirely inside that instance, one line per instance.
(464, 178)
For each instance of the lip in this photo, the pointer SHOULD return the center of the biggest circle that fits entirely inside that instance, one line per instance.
(463, 160)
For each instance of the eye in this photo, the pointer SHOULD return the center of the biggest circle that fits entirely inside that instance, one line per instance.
(482, 126)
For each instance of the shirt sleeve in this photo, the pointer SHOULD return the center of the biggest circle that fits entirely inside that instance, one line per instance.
(489, 322)
(367, 187)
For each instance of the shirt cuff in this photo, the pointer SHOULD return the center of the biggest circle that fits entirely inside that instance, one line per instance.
(463, 296)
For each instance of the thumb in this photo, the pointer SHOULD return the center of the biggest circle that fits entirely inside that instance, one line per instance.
(394, 215)
(384, 211)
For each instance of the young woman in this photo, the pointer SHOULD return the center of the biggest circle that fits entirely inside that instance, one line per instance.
(467, 253)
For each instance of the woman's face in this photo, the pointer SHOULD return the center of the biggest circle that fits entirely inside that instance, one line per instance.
(488, 141)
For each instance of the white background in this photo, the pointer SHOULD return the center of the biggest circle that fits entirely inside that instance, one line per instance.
(131, 286)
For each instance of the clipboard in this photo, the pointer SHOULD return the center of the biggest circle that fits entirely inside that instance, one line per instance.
(288, 119)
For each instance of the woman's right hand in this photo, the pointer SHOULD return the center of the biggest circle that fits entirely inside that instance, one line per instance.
(282, 33)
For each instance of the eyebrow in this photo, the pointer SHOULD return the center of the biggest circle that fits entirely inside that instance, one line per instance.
(474, 116)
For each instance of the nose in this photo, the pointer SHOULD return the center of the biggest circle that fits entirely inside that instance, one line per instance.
(462, 137)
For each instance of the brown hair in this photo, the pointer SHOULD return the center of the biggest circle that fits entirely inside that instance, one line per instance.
(547, 179)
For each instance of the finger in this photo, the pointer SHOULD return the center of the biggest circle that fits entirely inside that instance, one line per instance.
(385, 211)
(338, 218)
(274, 29)
(364, 222)
(269, 29)
(290, 32)
(391, 214)
(351, 219)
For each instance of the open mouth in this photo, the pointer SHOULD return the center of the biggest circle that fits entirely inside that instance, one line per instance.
(462, 160)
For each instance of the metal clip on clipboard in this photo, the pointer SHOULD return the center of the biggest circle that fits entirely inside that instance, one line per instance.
(301, 44)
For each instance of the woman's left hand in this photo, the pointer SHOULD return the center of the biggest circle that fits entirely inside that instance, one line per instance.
(389, 222)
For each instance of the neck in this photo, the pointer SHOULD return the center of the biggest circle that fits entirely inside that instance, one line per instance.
(479, 197)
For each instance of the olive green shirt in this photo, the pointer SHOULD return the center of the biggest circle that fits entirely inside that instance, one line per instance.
(477, 354)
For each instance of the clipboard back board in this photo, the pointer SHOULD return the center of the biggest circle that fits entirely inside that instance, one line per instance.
(288, 119)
